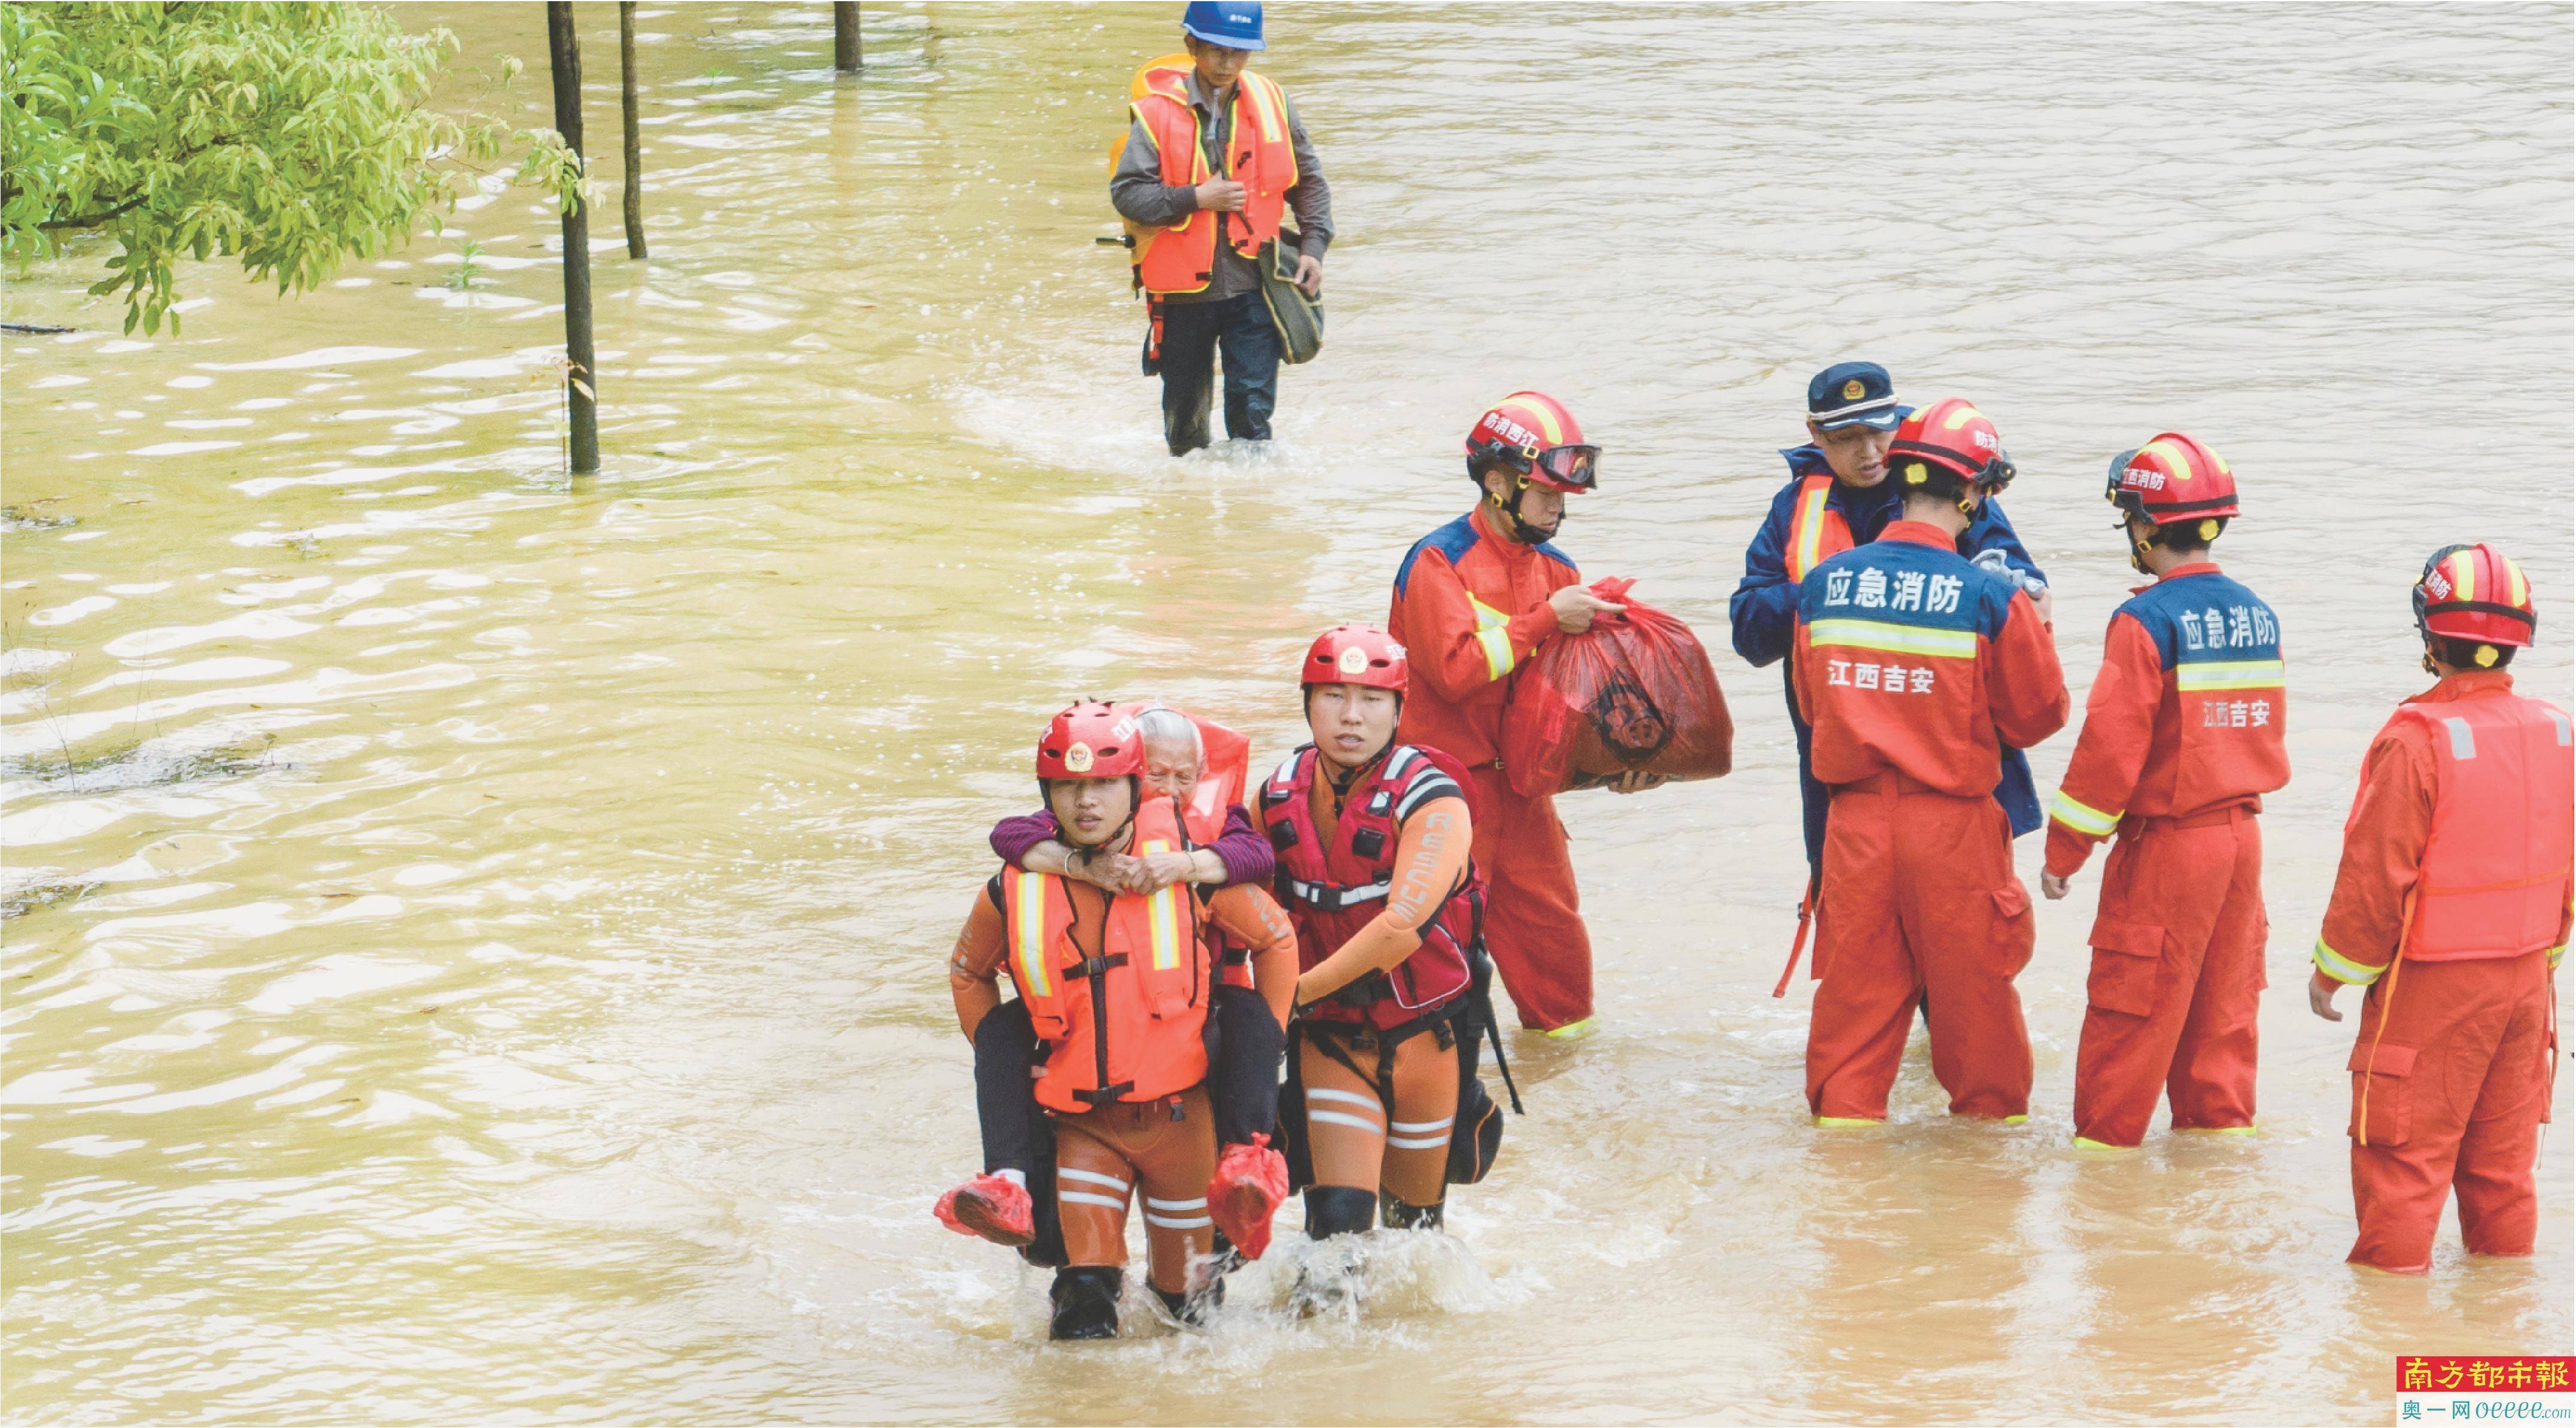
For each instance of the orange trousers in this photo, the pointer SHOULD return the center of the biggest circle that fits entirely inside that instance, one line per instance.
(1107, 1155)
(2458, 1085)
(1360, 1141)
(1918, 898)
(1533, 926)
(2177, 976)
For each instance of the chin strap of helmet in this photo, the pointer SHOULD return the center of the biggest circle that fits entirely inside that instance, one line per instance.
(1342, 783)
(1518, 529)
(1117, 835)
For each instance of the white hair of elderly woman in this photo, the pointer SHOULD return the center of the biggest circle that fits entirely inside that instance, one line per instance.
(1159, 725)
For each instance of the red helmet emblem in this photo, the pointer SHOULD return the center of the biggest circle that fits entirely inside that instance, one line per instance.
(1090, 740)
(1355, 654)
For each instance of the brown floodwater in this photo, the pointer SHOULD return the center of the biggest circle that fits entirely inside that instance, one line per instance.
(476, 937)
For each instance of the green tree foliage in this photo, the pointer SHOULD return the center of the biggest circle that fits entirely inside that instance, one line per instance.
(295, 135)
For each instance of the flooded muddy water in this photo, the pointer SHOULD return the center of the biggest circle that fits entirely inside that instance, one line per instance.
(476, 938)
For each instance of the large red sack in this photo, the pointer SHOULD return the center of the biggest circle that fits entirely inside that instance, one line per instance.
(1634, 692)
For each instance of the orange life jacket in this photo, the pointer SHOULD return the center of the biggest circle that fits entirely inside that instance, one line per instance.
(1334, 882)
(2496, 870)
(1817, 532)
(1121, 1021)
(1182, 258)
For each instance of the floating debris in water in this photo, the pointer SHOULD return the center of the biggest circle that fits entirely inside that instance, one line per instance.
(28, 518)
(36, 897)
(142, 765)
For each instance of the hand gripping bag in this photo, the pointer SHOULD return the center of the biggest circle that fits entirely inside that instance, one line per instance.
(1634, 692)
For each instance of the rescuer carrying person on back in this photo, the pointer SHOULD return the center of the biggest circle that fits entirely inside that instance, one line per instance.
(1372, 836)
(1839, 496)
(2182, 738)
(1916, 667)
(2452, 906)
(1222, 849)
(1117, 986)
(1474, 599)
(1214, 155)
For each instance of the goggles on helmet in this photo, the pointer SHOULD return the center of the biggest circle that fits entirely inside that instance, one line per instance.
(1574, 467)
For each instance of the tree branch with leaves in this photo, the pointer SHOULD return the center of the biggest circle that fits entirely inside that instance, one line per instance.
(294, 136)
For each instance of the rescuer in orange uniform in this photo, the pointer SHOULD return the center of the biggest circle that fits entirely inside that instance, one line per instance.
(1474, 599)
(1117, 987)
(1372, 837)
(1915, 667)
(1202, 766)
(2182, 738)
(2452, 906)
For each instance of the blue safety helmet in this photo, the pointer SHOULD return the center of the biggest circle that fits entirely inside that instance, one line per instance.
(1233, 24)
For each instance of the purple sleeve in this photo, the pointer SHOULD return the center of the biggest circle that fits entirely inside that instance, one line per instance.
(1245, 853)
(1014, 837)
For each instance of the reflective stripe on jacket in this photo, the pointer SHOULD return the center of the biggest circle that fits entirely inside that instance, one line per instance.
(1335, 881)
(1121, 1021)
(1909, 658)
(1182, 258)
(2185, 718)
(2461, 836)
(1470, 605)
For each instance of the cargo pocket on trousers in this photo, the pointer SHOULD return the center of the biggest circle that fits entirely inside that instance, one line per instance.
(2128, 961)
(2014, 933)
(2383, 1093)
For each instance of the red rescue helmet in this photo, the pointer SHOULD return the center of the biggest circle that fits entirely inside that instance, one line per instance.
(2477, 593)
(1091, 739)
(1950, 443)
(1354, 654)
(1532, 433)
(2174, 479)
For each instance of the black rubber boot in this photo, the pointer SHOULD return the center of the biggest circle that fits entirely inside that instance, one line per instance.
(1397, 1215)
(1193, 1307)
(1338, 1210)
(1086, 1302)
(1328, 1279)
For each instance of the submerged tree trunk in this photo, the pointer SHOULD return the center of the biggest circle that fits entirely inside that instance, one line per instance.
(845, 36)
(634, 134)
(581, 383)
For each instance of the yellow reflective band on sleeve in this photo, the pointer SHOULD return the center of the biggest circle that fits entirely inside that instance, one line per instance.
(1495, 638)
(1028, 937)
(2084, 817)
(2230, 674)
(2555, 953)
(1162, 910)
(1807, 534)
(1903, 639)
(2343, 969)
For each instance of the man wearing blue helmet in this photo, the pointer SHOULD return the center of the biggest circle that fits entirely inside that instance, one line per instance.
(1838, 497)
(1215, 157)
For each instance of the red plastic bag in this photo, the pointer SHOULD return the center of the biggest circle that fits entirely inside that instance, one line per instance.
(1634, 692)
